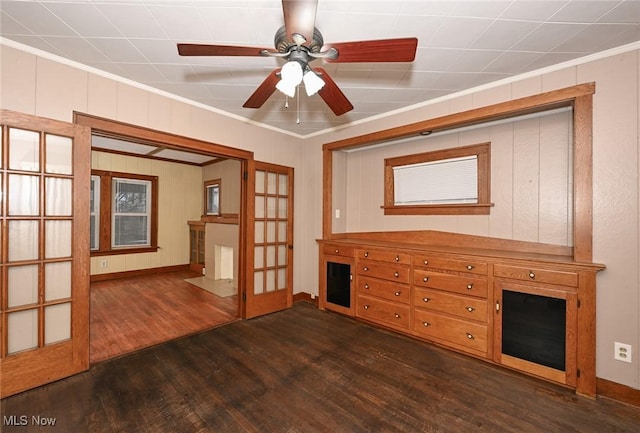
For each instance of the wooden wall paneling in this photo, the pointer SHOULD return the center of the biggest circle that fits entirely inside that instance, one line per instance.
(526, 171)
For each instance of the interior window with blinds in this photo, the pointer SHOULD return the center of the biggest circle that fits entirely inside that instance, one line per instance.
(450, 181)
(453, 180)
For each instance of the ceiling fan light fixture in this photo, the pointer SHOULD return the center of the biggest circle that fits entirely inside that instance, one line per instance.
(312, 82)
(290, 78)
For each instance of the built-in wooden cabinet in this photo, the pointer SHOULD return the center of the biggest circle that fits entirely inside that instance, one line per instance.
(196, 245)
(532, 311)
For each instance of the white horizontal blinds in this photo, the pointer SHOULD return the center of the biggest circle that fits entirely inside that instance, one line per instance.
(446, 181)
(131, 216)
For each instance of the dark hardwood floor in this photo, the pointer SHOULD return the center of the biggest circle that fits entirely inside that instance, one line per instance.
(128, 314)
(306, 370)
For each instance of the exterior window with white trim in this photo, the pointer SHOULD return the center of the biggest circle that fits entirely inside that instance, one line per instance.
(95, 213)
(131, 214)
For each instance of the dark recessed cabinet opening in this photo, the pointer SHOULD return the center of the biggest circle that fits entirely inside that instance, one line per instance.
(339, 284)
(534, 328)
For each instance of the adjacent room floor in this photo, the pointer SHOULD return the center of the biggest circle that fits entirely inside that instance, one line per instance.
(128, 314)
(307, 370)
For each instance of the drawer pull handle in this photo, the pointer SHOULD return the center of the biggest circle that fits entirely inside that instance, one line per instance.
(366, 307)
(426, 324)
(365, 269)
(532, 275)
(469, 286)
(396, 274)
(397, 315)
(397, 258)
(425, 279)
(426, 262)
(397, 293)
(337, 251)
(471, 309)
(470, 336)
(366, 286)
(426, 299)
(470, 267)
(366, 253)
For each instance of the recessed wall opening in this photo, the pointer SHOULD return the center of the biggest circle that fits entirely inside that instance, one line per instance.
(223, 262)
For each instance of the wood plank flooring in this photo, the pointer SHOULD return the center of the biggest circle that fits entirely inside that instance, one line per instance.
(128, 314)
(306, 370)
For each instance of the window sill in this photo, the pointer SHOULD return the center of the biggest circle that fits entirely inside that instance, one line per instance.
(132, 250)
(440, 209)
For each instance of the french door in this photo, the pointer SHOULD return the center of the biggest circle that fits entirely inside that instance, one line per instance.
(44, 254)
(270, 235)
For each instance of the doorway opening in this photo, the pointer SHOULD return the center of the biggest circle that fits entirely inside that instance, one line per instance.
(144, 294)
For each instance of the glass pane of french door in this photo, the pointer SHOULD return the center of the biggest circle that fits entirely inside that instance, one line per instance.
(270, 227)
(44, 165)
(271, 232)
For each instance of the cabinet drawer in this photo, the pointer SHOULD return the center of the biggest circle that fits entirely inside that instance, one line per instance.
(473, 266)
(384, 289)
(338, 250)
(386, 271)
(384, 256)
(385, 312)
(466, 285)
(461, 333)
(461, 306)
(564, 278)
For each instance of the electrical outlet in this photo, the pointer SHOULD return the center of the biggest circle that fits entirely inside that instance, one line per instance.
(622, 352)
(104, 263)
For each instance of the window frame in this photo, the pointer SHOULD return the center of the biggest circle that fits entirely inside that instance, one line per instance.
(106, 215)
(95, 212)
(209, 184)
(483, 153)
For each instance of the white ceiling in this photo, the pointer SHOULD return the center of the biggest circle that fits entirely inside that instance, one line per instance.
(461, 45)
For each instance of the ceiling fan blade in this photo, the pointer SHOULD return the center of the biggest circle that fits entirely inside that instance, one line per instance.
(332, 95)
(383, 50)
(300, 17)
(219, 50)
(264, 90)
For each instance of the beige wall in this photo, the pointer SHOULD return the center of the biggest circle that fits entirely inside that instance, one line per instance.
(530, 183)
(179, 200)
(228, 171)
(36, 85)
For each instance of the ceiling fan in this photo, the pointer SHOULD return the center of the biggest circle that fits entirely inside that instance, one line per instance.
(299, 43)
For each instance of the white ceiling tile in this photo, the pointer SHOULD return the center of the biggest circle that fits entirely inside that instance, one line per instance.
(450, 34)
(117, 50)
(548, 36)
(478, 8)
(84, 19)
(501, 34)
(624, 12)
(513, 61)
(36, 18)
(181, 23)
(12, 27)
(78, 49)
(579, 11)
(474, 60)
(132, 20)
(532, 10)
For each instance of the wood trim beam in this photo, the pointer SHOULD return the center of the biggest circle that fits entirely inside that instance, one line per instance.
(530, 104)
(110, 127)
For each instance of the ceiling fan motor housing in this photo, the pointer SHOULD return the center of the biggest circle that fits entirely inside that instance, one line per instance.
(283, 43)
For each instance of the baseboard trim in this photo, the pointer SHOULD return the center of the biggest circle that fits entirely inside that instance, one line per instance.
(305, 297)
(617, 391)
(138, 272)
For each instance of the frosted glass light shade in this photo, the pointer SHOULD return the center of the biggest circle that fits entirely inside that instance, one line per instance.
(312, 83)
(290, 77)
